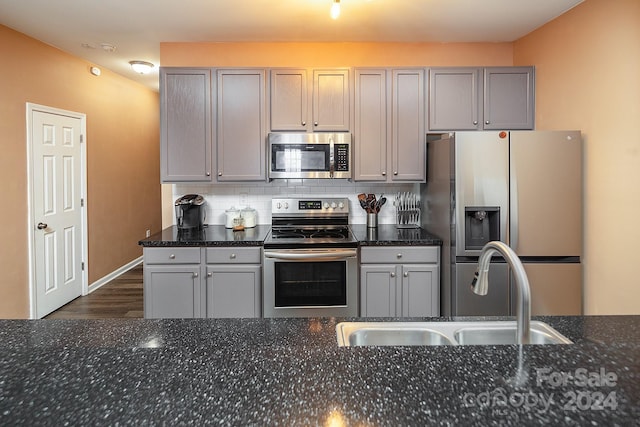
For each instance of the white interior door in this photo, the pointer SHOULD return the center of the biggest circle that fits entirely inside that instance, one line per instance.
(57, 230)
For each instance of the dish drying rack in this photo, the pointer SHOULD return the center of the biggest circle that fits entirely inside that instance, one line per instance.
(407, 210)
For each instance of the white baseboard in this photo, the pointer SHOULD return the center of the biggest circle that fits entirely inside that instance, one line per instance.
(114, 274)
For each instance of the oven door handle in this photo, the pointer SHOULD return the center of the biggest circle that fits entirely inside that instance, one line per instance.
(325, 255)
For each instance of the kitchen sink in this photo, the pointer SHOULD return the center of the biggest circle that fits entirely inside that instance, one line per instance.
(441, 333)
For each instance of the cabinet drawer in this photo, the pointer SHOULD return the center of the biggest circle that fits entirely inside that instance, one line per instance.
(174, 255)
(399, 254)
(226, 255)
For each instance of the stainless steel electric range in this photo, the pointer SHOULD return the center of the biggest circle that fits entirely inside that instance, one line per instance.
(310, 259)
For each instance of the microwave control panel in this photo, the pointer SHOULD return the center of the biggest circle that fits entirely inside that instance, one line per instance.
(342, 157)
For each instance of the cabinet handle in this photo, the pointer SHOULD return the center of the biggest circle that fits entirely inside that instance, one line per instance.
(208, 173)
(475, 122)
(406, 274)
(395, 172)
(209, 274)
(232, 256)
(399, 255)
(172, 256)
(486, 122)
(393, 274)
(219, 173)
(195, 275)
(304, 123)
(384, 174)
(315, 123)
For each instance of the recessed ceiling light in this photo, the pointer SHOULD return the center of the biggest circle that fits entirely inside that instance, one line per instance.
(142, 67)
(88, 45)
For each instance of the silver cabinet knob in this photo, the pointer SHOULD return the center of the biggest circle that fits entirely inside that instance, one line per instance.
(209, 274)
(232, 256)
(172, 256)
(406, 274)
(486, 122)
(399, 255)
(219, 173)
(42, 226)
(475, 122)
(393, 274)
(384, 174)
(304, 123)
(315, 123)
(195, 275)
(395, 172)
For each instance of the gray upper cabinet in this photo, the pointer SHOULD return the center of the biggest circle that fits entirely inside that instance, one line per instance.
(481, 98)
(370, 125)
(289, 104)
(454, 98)
(389, 125)
(509, 98)
(185, 125)
(294, 96)
(241, 130)
(408, 134)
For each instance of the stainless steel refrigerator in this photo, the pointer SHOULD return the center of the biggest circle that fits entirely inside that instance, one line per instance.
(523, 188)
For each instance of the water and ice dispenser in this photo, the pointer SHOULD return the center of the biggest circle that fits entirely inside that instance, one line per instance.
(481, 225)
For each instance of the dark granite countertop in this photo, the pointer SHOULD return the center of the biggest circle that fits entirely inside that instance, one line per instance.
(211, 235)
(391, 235)
(217, 235)
(291, 372)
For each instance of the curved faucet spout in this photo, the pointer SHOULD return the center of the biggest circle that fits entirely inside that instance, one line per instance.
(480, 284)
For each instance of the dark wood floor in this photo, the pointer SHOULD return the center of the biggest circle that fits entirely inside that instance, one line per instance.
(122, 297)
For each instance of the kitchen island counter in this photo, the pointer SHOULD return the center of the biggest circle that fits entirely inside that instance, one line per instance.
(291, 372)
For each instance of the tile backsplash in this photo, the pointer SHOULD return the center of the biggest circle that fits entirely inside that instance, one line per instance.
(258, 195)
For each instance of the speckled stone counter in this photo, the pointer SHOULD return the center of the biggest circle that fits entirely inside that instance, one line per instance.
(389, 234)
(291, 372)
(211, 235)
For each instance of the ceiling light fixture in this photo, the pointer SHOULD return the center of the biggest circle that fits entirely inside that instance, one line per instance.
(142, 67)
(335, 9)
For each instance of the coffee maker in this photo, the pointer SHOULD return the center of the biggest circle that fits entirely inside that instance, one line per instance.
(190, 212)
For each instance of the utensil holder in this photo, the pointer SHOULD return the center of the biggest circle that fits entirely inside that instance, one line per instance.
(372, 220)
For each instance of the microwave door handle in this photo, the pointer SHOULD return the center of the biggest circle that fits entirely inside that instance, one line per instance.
(332, 165)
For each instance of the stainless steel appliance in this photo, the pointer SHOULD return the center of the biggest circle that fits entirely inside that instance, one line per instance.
(523, 188)
(309, 155)
(190, 212)
(310, 260)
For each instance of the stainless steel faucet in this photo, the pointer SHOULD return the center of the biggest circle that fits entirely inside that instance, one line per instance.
(480, 284)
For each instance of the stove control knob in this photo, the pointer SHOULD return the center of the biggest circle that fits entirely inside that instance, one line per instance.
(278, 205)
(341, 205)
(333, 205)
(325, 205)
(286, 205)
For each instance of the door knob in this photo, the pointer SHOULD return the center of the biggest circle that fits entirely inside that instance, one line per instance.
(42, 226)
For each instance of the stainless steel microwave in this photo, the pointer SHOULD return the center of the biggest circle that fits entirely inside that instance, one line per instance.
(309, 155)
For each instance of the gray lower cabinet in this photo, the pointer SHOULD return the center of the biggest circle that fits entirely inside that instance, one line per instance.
(400, 281)
(172, 283)
(233, 282)
(192, 282)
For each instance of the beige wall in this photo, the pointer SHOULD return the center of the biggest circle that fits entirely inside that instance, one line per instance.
(588, 77)
(122, 154)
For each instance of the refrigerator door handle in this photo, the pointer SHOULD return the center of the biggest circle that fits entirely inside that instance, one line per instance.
(513, 210)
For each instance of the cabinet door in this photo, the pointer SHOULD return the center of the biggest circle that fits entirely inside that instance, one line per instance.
(185, 125)
(454, 98)
(370, 127)
(234, 291)
(289, 102)
(420, 290)
(331, 100)
(378, 291)
(509, 100)
(408, 128)
(241, 125)
(172, 291)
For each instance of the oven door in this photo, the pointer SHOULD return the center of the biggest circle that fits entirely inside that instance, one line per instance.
(310, 282)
